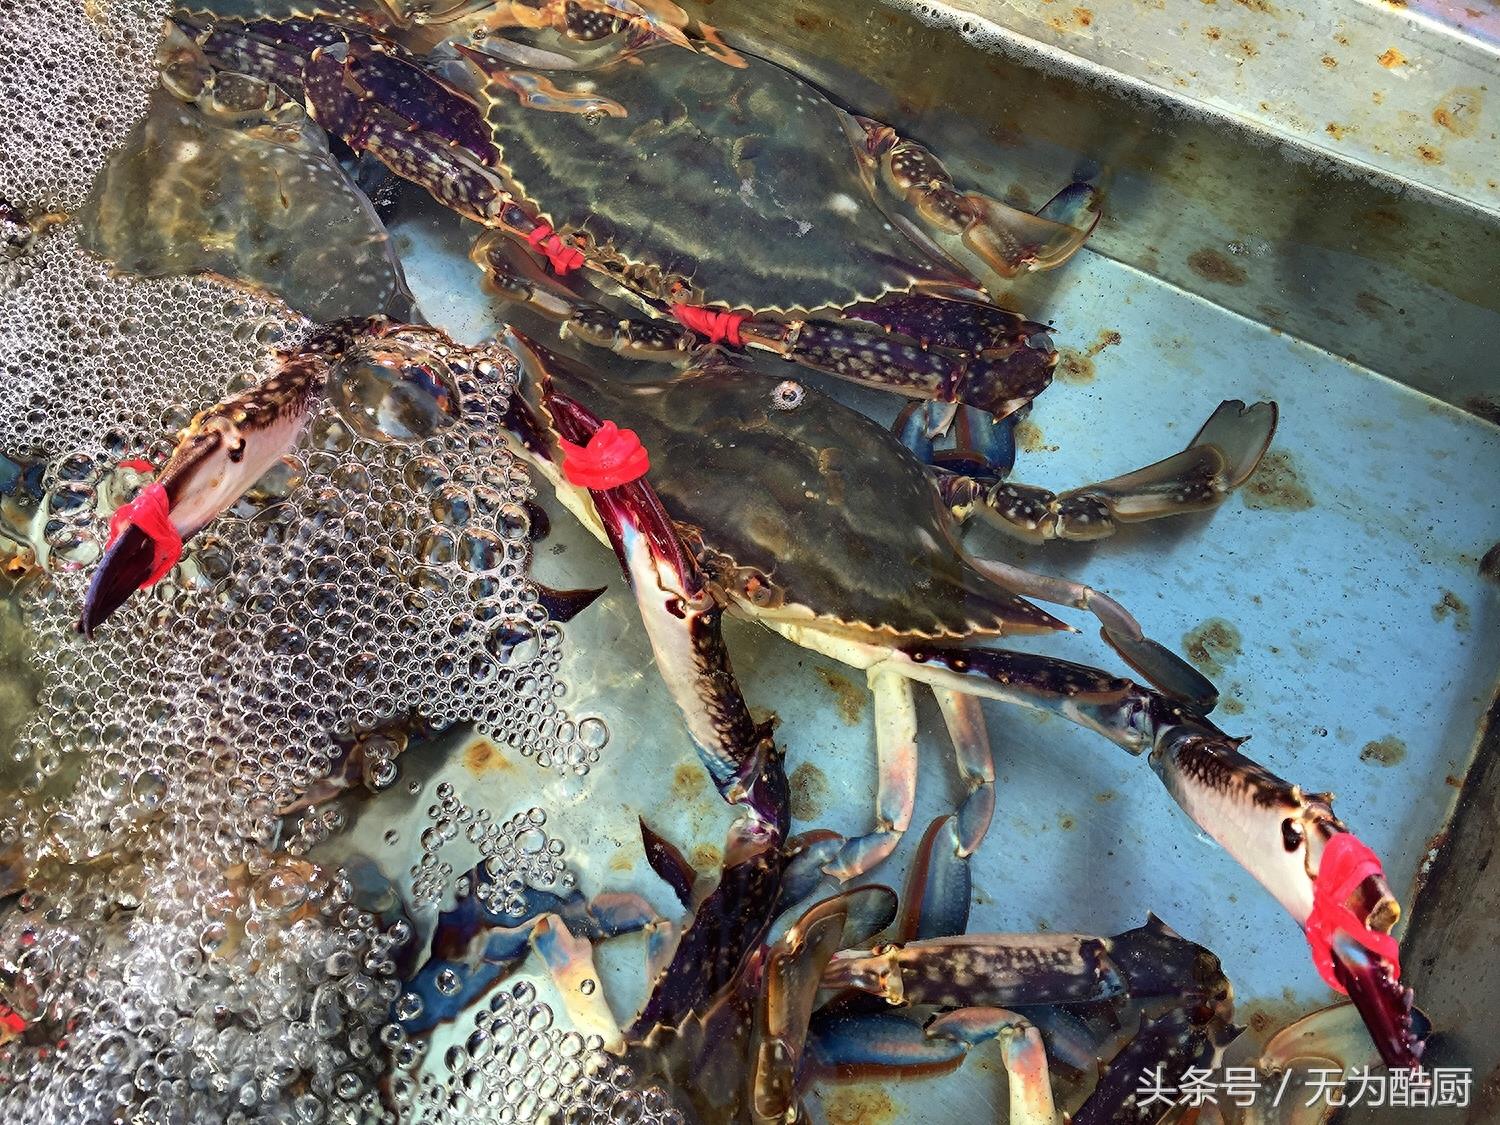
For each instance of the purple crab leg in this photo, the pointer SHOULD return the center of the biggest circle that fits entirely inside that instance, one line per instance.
(998, 380)
(1272, 828)
(222, 452)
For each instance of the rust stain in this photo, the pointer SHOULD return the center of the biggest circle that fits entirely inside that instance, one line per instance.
(1458, 112)
(865, 1104)
(1258, 6)
(1074, 366)
(1247, 48)
(1083, 17)
(620, 861)
(482, 757)
(1330, 62)
(1212, 645)
(687, 781)
(1231, 706)
(706, 857)
(849, 696)
(1029, 437)
(1211, 265)
(1106, 797)
(1451, 605)
(1429, 154)
(1339, 132)
(1392, 58)
(1277, 485)
(1212, 34)
(809, 789)
(1381, 217)
(1386, 751)
(1067, 823)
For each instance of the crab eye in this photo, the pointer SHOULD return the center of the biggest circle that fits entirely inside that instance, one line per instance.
(1291, 834)
(788, 395)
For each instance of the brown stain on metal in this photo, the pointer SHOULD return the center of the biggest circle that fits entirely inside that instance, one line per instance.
(1388, 751)
(687, 781)
(1264, 6)
(706, 857)
(1231, 706)
(1074, 366)
(809, 789)
(1106, 797)
(1339, 132)
(1430, 155)
(865, 1104)
(1211, 265)
(1374, 305)
(482, 758)
(1067, 823)
(1451, 605)
(1392, 58)
(1029, 437)
(1212, 645)
(1458, 112)
(848, 696)
(1330, 62)
(1212, 34)
(1277, 485)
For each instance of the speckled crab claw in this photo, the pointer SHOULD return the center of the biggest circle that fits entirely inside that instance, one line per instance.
(223, 451)
(1290, 841)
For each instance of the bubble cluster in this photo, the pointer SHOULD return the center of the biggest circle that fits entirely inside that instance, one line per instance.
(516, 854)
(515, 1066)
(172, 954)
(73, 79)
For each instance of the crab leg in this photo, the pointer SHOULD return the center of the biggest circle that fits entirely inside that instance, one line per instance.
(1021, 1052)
(222, 452)
(976, 765)
(1271, 827)
(896, 795)
(1218, 460)
(1162, 667)
(1006, 239)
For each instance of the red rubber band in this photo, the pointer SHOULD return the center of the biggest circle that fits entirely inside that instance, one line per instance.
(1347, 862)
(12, 1020)
(720, 327)
(139, 465)
(150, 513)
(563, 256)
(611, 458)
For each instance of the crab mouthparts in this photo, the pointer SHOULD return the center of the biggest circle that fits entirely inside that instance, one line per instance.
(126, 565)
(1397, 1029)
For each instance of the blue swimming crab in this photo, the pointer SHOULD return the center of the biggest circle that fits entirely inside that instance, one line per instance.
(837, 244)
(879, 581)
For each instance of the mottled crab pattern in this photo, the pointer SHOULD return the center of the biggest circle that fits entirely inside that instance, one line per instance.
(664, 166)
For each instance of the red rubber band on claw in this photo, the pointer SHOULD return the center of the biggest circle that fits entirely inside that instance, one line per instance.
(563, 256)
(138, 465)
(1347, 862)
(11, 1021)
(611, 458)
(720, 327)
(150, 513)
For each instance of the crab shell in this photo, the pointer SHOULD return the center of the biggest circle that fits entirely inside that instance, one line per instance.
(807, 510)
(690, 180)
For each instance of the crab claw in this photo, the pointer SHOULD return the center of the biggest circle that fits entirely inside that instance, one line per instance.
(223, 451)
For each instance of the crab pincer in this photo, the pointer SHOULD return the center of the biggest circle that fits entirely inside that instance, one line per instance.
(223, 451)
(681, 617)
